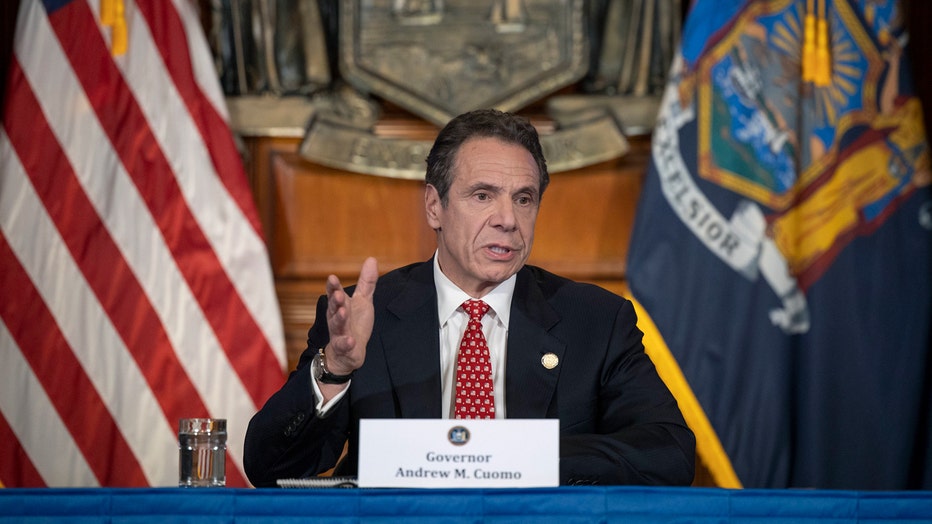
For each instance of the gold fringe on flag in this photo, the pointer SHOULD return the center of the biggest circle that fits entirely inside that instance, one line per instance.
(709, 450)
(823, 72)
(817, 57)
(112, 15)
(809, 37)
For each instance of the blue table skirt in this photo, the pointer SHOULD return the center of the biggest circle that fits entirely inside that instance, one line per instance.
(557, 505)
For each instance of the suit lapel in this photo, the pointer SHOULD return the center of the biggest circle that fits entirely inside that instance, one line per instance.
(530, 386)
(412, 346)
(412, 349)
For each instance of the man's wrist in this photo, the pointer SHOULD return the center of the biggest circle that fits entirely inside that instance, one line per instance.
(323, 375)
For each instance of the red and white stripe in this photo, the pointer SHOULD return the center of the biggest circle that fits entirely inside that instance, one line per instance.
(135, 280)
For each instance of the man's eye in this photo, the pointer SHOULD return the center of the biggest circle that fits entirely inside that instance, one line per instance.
(482, 196)
(524, 201)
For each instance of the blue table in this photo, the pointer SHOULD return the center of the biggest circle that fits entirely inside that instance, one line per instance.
(556, 505)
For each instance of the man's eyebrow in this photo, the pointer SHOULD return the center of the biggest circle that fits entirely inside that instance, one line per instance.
(485, 186)
(532, 190)
(492, 188)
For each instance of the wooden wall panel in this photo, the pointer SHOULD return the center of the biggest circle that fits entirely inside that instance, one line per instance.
(328, 221)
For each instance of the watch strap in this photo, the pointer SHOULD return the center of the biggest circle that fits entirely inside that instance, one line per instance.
(324, 375)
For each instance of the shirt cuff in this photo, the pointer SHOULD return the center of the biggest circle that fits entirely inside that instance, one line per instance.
(324, 409)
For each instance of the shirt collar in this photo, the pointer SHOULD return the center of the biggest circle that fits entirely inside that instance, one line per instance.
(450, 297)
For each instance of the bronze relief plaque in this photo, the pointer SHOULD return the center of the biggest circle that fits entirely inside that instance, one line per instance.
(441, 58)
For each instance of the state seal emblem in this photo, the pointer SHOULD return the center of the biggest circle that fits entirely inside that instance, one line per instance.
(816, 162)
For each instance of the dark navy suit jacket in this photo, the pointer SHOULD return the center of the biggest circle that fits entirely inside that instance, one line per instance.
(619, 424)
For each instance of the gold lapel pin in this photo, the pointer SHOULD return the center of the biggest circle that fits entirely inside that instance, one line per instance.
(550, 360)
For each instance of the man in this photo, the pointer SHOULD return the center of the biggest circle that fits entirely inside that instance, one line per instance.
(555, 348)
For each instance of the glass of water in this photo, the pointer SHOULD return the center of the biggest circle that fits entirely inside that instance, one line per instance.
(202, 445)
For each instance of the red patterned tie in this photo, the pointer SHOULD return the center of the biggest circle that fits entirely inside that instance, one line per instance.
(474, 397)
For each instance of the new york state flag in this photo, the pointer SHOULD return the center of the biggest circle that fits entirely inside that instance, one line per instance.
(783, 245)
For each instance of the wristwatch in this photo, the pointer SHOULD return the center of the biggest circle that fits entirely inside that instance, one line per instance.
(323, 375)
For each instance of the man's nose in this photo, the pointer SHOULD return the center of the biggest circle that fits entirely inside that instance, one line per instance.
(504, 215)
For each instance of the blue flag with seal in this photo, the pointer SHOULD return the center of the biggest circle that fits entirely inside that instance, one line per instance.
(782, 247)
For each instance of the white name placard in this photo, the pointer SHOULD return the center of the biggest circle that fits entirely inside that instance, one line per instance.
(446, 453)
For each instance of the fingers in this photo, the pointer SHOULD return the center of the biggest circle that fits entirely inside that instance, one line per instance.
(350, 318)
(339, 303)
(368, 276)
(333, 285)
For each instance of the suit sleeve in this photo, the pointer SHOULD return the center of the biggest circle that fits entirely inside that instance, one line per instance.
(286, 439)
(641, 435)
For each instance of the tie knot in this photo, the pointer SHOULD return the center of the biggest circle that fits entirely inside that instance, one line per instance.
(476, 309)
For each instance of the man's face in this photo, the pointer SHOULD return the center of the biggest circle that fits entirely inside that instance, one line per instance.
(485, 233)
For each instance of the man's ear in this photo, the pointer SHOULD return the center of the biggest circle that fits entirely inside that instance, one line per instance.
(432, 206)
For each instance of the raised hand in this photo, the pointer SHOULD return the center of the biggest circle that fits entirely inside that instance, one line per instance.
(350, 320)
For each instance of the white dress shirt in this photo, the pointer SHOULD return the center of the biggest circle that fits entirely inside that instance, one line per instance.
(453, 321)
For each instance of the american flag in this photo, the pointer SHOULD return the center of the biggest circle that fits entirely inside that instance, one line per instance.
(135, 286)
